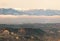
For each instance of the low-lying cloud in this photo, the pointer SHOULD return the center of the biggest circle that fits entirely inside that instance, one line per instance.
(18, 19)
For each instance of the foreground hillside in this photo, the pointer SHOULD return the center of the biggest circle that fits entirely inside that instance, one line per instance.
(30, 32)
(21, 34)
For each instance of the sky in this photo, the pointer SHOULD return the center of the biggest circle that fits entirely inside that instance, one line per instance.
(30, 4)
(27, 5)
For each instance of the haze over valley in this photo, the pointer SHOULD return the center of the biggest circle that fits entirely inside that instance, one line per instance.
(12, 16)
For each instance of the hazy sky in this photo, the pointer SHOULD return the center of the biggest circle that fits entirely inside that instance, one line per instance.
(30, 4)
(12, 19)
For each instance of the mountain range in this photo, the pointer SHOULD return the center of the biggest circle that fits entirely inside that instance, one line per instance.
(10, 11)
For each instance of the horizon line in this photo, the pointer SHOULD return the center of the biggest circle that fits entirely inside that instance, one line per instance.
(29, 9)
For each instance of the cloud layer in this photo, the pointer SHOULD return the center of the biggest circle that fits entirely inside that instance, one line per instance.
(12, 19)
